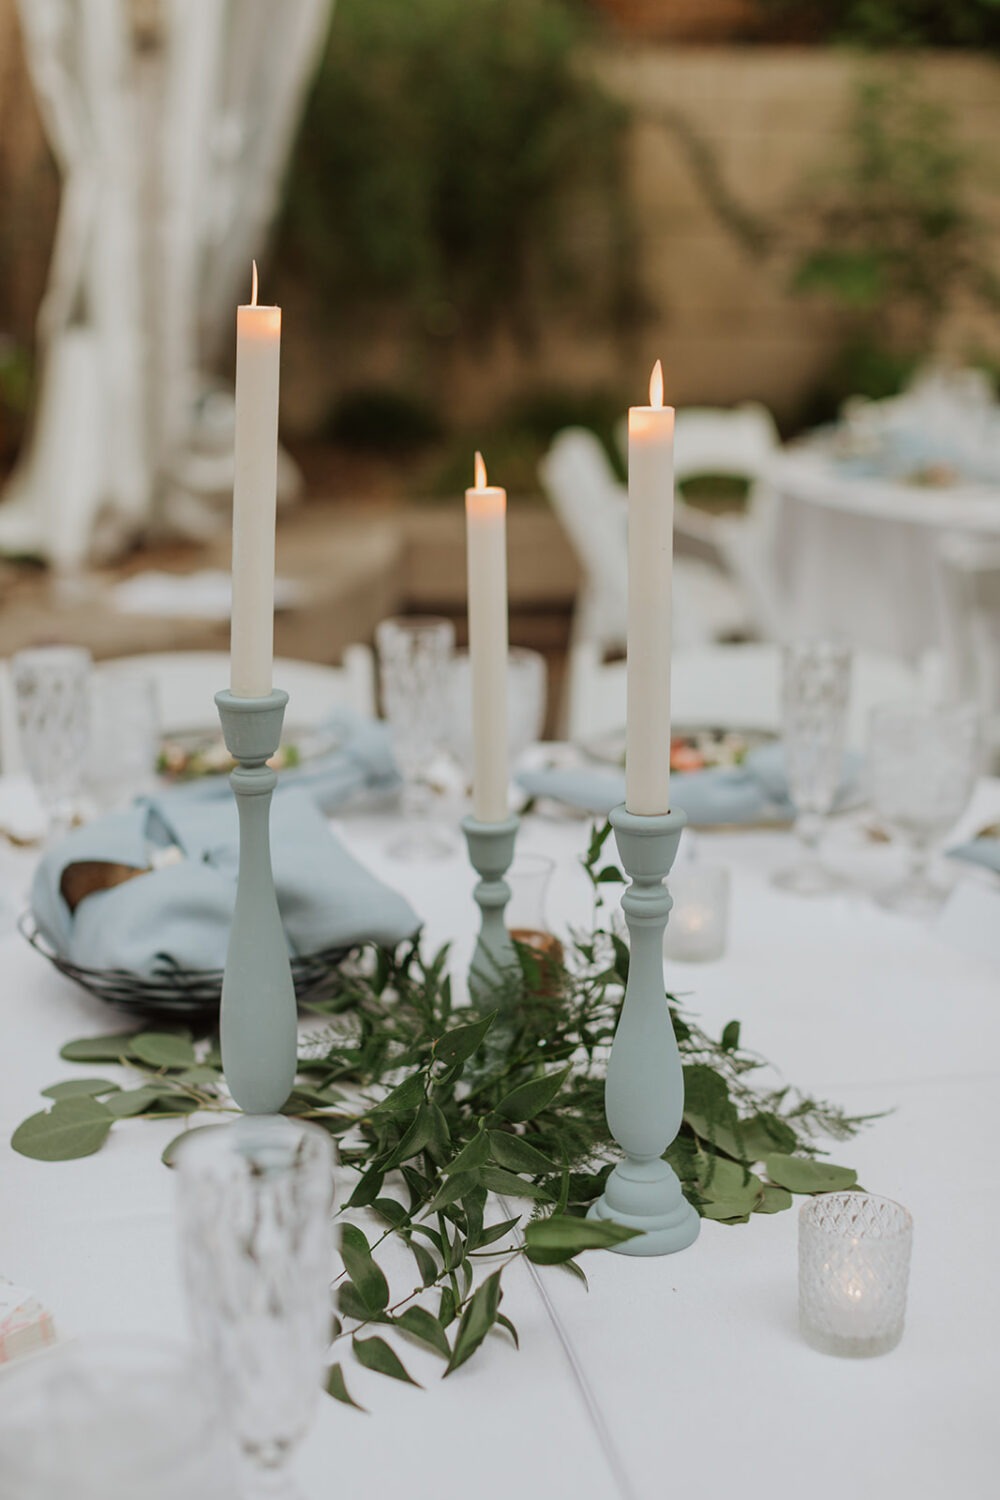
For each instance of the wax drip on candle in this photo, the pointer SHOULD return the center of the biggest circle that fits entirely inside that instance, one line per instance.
(253, 285)
(480, 472)
(656, 386)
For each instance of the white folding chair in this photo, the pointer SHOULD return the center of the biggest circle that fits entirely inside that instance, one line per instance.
(187, 681)
(739, 443)
(591, 504)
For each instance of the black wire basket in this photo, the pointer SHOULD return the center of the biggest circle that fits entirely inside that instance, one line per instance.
(173, 993)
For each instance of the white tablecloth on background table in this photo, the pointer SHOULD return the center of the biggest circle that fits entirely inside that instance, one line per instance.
(685, 1373)
(854, 556)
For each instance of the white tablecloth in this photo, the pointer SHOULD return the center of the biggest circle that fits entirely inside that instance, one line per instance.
(686, 1373)
(855, 556)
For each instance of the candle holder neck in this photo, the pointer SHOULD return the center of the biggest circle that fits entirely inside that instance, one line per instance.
(644, 1093)
(258, 1023)
(491, 849)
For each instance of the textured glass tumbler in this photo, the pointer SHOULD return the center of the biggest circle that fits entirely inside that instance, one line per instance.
(52, 696)
(255, 1200)
(816, 682)
(922, 766)
(854, 1267)
(527, 690)
(415, 674)
(113, 1418)
(124, 735)
(699, 918)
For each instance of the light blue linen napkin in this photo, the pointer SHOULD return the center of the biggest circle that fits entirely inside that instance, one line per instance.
(981, 851)
(179, 914)
(753, 791)
(361, 762)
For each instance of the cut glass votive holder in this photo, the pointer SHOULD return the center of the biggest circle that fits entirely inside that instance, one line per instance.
(854, 1268)
(699, 917)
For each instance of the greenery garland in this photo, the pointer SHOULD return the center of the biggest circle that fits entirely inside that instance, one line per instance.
(444, 1116)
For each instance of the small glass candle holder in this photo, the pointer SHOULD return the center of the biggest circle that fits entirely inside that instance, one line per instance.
(854, 1267)
(699, 918)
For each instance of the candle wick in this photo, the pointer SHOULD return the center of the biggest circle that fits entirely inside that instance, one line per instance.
(253, 285)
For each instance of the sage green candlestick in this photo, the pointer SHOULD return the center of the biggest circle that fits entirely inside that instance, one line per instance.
(258, 1024)
(644, 1093)
(491, 849)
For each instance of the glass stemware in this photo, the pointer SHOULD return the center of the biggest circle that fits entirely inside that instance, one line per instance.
(527, 686)
(255, 1202)
(922, 766)
(415, 659)
(52, 697)
(816, 681)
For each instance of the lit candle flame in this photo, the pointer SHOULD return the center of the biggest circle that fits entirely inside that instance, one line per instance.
(253, 286)
(481, 480)
(656, 386)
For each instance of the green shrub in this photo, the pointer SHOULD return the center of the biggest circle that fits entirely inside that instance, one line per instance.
(442, 145)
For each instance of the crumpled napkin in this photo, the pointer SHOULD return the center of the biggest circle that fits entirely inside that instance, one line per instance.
(755, 790)
(361, 762)
(980, 851)
(179, 913)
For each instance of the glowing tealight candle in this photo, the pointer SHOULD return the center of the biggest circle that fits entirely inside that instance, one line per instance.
(650, 566)
(258, 355)
(486, 538)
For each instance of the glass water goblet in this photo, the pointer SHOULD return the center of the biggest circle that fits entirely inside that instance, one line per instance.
(52, 696)
(816, 682)
(527, 680)
(124, 735)
(415, 662)
(922, 767)
(255, 1201)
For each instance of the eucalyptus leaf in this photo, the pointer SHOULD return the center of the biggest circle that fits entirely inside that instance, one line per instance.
(800, 1175)
(336, 1386)
(560, 1237)
(114, 1048)
(498, 1180)
(529, 1099)
(478, 1318)
(73, 1127)
(367, 1277)
(773, 1200)
(128, 1102)
(497, 1232)
(79, 1086)
(169, 1154)
(426, 1264)
(421, 1324)
(457, 1046)
(505, 1322)
(476, 1154)
(404, 1099)
(376, 1354)
(452, 1189)
(163, 1049)
(518, 1155)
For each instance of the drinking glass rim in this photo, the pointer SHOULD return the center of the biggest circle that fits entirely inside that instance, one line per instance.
(813, 1206)
(415, 624)
(220, 1142)
(51, 655)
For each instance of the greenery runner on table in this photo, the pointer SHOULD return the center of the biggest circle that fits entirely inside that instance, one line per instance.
(444, 1115)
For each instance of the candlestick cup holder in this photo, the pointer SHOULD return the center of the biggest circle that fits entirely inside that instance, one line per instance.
(644, 1092)
(258, 1026)
(491, 849)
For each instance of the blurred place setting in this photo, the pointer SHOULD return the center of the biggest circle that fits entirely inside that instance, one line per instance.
(499, 746)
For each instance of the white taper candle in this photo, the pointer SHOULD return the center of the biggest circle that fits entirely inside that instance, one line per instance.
(650, 567)
(486, 538)
(258, 355)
